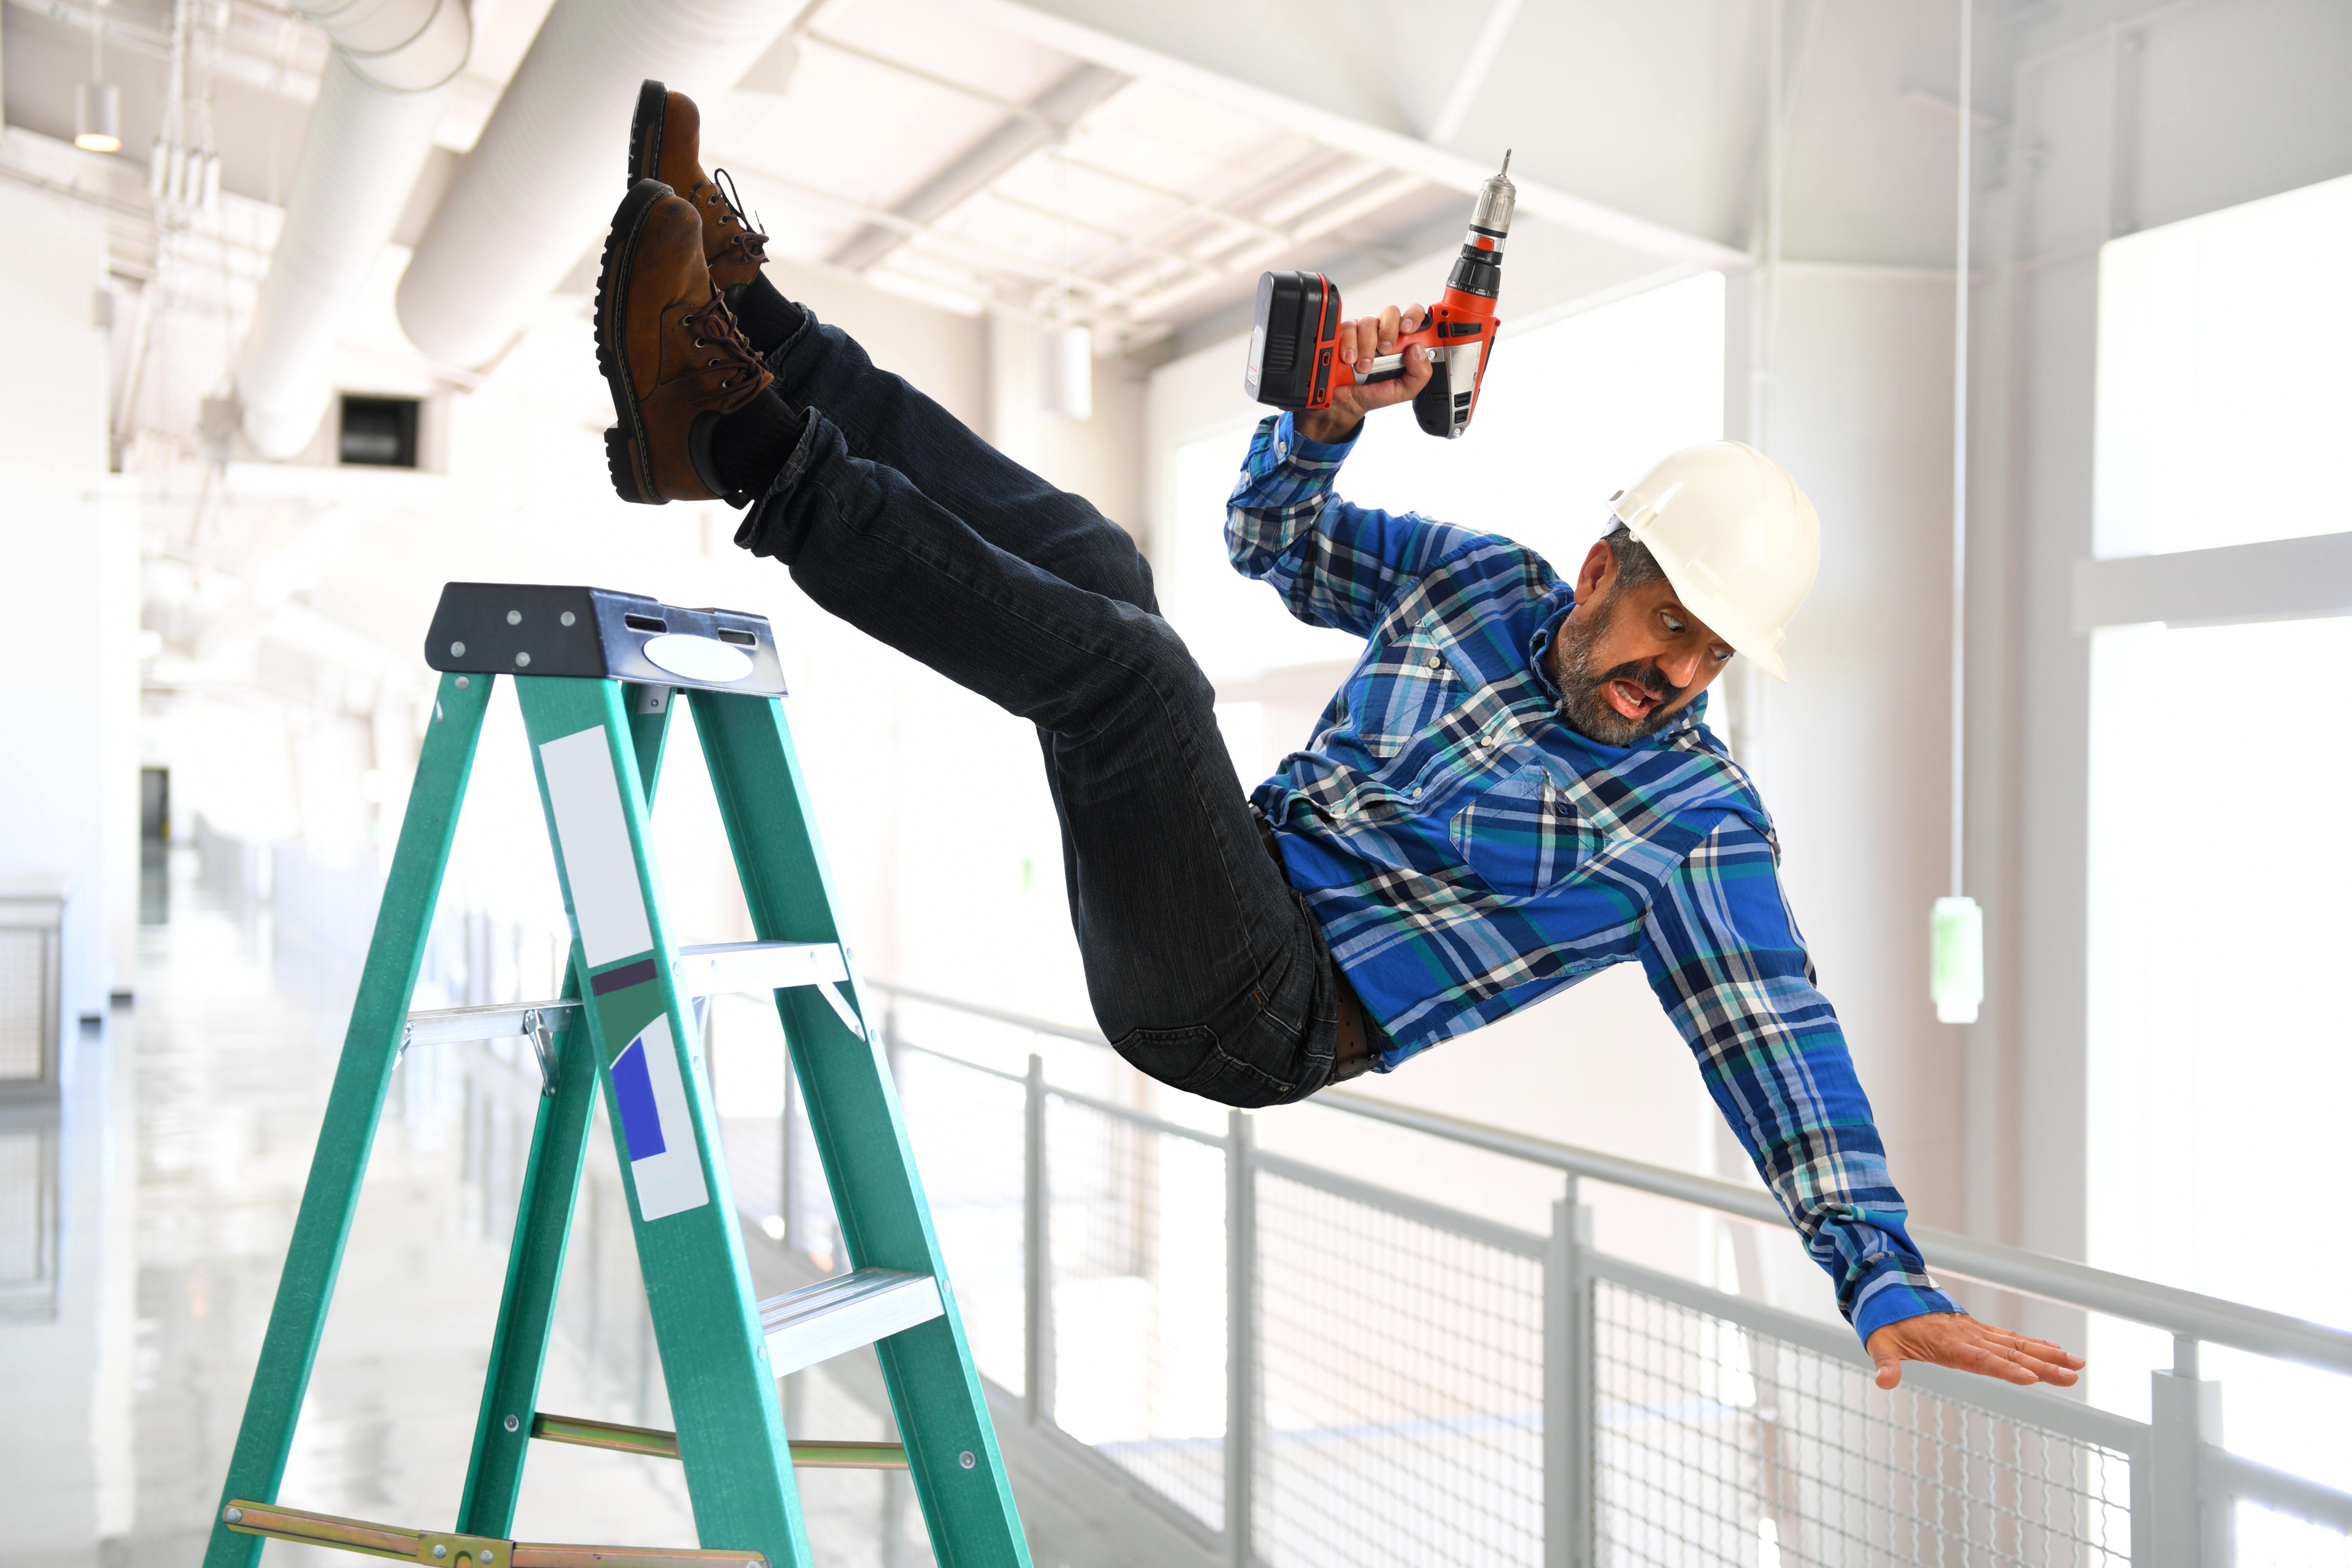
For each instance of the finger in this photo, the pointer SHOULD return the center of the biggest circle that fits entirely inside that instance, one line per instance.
(1368, 337)
(1890, 1366)
(1415, 317)
(1418, 368)
(1389, 319)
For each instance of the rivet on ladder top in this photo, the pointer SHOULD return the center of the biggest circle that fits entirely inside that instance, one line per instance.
(234, 1516)
(966, 1459)
(513, 1424)
(464, 682)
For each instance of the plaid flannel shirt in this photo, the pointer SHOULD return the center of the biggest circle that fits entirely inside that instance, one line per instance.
(1468, 854)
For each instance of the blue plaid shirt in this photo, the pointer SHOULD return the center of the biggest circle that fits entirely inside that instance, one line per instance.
(1468, 854)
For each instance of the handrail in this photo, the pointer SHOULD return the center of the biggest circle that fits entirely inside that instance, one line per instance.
(2208, 1317)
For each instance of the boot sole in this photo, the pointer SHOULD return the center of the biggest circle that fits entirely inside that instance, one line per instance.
(645, 130)
(626, 449)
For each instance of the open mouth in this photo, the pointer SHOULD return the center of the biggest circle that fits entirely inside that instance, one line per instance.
(1633, 698)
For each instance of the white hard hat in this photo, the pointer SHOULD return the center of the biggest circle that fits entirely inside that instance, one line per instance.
(1735, 536)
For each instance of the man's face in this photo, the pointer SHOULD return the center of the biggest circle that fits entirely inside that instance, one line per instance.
(1629, 660)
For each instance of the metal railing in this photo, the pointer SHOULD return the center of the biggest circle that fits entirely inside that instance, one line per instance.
(1286, 1364)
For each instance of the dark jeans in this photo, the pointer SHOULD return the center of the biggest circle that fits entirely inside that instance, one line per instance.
(1205, 970)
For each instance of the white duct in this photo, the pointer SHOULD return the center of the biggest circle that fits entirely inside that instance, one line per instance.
(551, 166)
(378, 102)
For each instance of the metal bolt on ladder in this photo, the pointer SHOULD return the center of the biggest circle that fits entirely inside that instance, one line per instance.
(596, 704)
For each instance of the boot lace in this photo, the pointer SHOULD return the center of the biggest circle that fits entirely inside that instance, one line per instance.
(715, 333)
(747, 241)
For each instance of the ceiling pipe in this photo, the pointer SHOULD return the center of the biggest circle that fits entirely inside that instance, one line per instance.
(541, 183)
(380, 100)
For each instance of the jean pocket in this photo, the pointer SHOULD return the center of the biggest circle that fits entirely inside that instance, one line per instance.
(1191, 1060)
(1525, 835)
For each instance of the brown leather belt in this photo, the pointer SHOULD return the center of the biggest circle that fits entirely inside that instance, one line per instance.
(1352, 1055)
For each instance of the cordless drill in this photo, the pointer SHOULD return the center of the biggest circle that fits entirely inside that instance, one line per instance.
(1292, 358)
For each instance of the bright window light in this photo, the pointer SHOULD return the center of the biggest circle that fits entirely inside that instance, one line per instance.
(2223, 402)
(1571, 411)
(2219, 1063)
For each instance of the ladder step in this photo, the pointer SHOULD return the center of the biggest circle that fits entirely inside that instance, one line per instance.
(712, 969)
(660, 1445)
(720, 967)
(446, 1025)
(826, 1320)
(446, 1549)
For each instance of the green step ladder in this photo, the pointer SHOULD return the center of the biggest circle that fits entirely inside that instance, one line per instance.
(596, 673)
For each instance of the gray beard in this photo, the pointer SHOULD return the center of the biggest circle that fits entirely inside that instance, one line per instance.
(1584, 706)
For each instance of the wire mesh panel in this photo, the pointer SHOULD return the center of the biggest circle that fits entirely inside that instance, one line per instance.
(967, 1129)
(2269, 1539)
(1402, 1370)
(1715, 1444)
(28, 1001)
(1140, 1315)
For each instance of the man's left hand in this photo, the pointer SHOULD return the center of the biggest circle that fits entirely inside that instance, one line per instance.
(1958, 1341)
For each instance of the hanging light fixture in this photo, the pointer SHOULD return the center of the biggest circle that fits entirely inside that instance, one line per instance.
(98, 107)
(1956, 929)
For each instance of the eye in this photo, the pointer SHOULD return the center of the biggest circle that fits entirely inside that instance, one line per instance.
(1722, 654)
(1671, 622)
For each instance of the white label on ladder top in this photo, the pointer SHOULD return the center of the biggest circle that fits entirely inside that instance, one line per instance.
(839, 1315)
(665, 1160)
(584, 797)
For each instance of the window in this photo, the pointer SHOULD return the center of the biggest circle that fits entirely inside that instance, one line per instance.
(2218, 926)
(2223, 402)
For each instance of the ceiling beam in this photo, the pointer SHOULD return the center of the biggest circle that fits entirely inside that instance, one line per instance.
(1056, 23)
(1025, 130)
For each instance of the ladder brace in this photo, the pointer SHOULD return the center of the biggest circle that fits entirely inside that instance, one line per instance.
(440, 1549)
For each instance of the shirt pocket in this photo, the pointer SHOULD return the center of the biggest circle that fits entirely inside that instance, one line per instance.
(1402, 693)
(1525, 835)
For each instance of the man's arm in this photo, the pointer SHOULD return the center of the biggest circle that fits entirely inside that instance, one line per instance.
(1334, 564)
(1726, 962)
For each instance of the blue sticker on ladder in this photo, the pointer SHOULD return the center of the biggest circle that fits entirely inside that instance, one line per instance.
(633, 1092)
(657, 1106)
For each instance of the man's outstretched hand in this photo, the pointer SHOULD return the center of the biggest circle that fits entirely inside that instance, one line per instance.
(1360, 343)
(1955, 1340)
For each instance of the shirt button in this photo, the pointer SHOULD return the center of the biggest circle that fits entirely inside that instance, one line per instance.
(1416, 792)
(1435, 661)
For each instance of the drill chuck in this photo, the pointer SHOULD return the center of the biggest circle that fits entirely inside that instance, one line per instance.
(1479, 269)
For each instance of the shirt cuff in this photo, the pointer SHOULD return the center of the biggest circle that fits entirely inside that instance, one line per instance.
(1289, 443)
(1891, 1292)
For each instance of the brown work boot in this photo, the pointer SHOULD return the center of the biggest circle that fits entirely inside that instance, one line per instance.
(666, 144)
(668, 349)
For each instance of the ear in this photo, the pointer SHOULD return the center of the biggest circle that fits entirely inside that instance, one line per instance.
(1600, 570)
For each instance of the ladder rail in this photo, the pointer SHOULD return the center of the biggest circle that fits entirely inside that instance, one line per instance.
(322, 1226)
(861, 1137)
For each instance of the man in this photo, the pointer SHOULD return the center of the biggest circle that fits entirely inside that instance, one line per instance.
(1512, 790)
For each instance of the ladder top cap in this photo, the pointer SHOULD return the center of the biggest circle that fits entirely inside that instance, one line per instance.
(525, 628)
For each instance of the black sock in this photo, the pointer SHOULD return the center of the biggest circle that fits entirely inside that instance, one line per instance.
(749, 447)
(766, 317)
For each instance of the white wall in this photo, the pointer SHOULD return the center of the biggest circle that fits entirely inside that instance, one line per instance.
(68, 800)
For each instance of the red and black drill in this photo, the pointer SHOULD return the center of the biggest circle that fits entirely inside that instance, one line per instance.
(1292, 358)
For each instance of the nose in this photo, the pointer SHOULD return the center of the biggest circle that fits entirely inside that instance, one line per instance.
(1681, 666)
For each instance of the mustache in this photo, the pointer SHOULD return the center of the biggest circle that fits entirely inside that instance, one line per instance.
(1644, 676)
